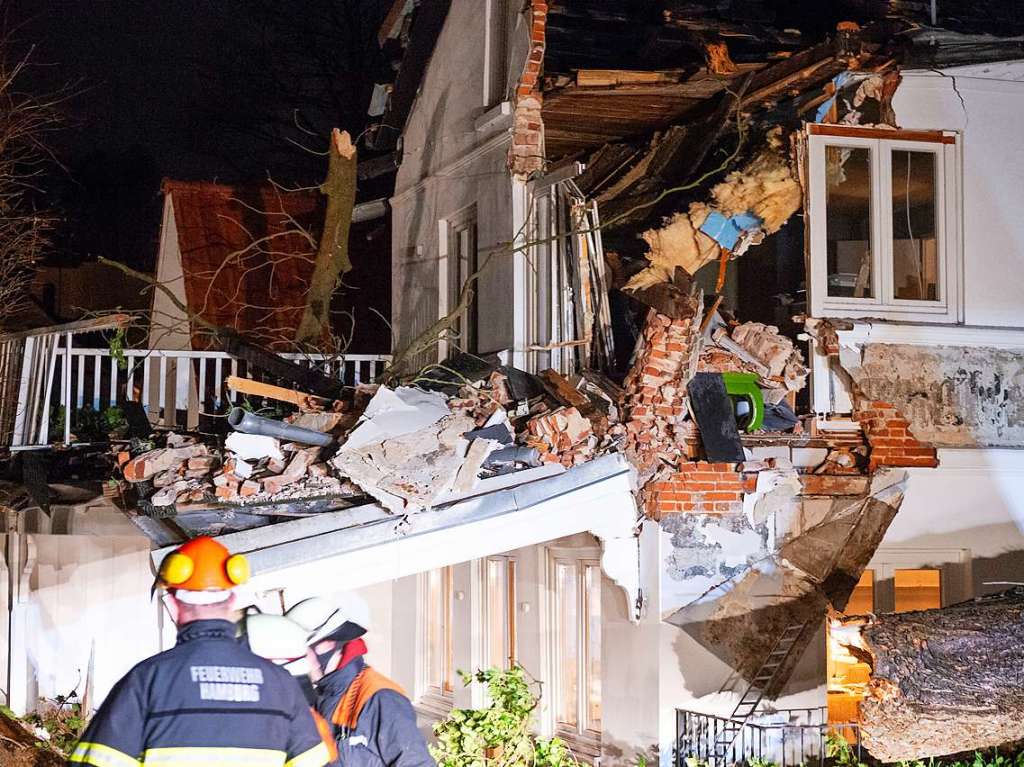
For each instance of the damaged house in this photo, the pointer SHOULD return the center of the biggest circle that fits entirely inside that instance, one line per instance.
(815, 201)
(706, 340)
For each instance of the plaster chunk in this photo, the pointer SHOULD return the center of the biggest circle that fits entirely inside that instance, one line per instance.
(409, 472)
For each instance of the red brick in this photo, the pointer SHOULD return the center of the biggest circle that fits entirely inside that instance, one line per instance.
(700, 487)
(718, 496)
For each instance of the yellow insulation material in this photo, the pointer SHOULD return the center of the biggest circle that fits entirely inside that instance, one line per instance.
(766, 187)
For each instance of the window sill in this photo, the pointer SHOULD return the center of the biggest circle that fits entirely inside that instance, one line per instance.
(931, 316)
(498, 116)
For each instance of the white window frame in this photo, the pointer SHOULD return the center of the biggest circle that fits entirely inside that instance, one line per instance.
(584, 741)
(548, 307)
(507, 608)
(452, 271)
(496, 24)
(435, 700)
(954, 566)
(882, 303)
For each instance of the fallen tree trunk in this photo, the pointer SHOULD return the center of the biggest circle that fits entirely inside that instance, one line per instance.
(332, 259)
(944, 681)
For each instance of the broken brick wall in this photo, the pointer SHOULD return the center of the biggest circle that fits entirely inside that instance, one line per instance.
(698, 487)
(889, 435)
(526, 156)
(665, 360)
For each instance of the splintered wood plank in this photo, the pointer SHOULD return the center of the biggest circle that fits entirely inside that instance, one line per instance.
(559, 387)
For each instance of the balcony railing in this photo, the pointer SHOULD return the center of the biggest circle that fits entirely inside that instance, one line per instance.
(785, 737)
(47, 382)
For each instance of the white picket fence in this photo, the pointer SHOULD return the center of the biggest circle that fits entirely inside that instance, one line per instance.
(41, 372)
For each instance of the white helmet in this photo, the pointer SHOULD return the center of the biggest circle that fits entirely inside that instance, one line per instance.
(322, 620)
(278, 639)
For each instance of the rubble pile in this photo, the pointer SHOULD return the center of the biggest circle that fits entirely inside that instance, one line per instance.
(250, 468)
(770, 355)
(409, 448)
(467, 421)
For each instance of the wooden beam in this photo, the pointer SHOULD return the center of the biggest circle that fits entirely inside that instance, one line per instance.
(563, 391)
(260, 389)
(589, 78)
(853, 131)
(82, 326)
(278, 367)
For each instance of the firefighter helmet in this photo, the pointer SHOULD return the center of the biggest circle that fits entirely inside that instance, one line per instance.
(203, 566)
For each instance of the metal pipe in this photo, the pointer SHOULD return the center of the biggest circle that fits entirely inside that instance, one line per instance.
(248, 423)
(514, 454)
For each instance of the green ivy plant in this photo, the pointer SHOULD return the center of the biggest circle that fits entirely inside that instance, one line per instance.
(117, 344)
(501, 734)
(839, 750)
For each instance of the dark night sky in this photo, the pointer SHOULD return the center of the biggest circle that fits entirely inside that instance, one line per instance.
(137, 65)
(187, 89)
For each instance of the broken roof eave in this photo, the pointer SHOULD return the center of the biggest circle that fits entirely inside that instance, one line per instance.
(366, 544)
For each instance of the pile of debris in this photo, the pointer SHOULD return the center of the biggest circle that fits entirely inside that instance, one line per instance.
(757, 372)
(410, 448)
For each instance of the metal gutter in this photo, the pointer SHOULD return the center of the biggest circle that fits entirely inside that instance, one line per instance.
(277, 547)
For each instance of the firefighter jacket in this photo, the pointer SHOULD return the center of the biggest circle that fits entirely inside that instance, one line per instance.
(207, 701)
(374, 722)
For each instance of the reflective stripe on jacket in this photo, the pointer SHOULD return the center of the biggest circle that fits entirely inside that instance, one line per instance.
(208, 702)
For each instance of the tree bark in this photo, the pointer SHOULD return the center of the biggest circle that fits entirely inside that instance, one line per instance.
(332, 259)
(944, 681)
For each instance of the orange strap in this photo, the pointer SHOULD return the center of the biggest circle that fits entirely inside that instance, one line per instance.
(326, 736)
(366, 684)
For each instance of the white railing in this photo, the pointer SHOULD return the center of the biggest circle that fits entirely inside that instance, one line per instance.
(166, 380)
(174, 387)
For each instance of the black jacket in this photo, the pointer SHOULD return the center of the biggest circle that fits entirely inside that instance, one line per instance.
(209, 700)
(385, 733)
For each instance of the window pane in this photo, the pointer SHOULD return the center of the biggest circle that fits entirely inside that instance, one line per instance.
(848, 220)
(567, 600)
(862, 600)
(593, 628)
(917, 589)
(915, 267)
(497, 647)
(438, 629)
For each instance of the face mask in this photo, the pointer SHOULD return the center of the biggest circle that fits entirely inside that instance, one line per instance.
(325, 659)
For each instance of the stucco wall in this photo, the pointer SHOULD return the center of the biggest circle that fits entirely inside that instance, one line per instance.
(89, 592)
(984, 102)
(974, 501)
(954, 396)
(449, 163)
(170, 329)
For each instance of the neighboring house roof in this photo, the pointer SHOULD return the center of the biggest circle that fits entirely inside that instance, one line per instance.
(246, 255)
(242, 256)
